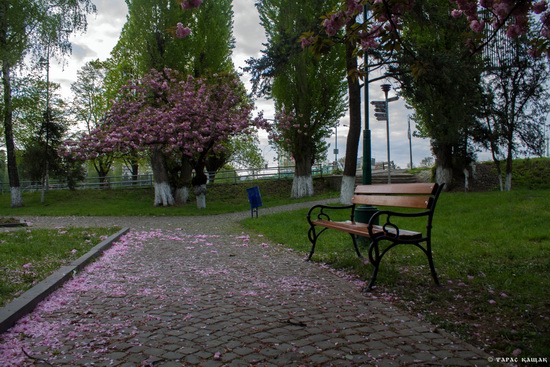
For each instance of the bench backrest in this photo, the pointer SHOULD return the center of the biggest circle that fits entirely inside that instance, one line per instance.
(410, 195)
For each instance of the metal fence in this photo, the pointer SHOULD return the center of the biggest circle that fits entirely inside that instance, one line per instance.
(146, 180)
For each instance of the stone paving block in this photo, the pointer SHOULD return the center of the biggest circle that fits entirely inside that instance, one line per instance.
(458, 362)
(423, 356)
(370, 345)
(116, 355)
(170, 364)
(134, 358)
(172, 355)
(242, 351)
(319, 359)
(378, 353)
(204, 354)
(192, 359)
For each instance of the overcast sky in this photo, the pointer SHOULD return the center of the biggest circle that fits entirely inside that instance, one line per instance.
(103, 32)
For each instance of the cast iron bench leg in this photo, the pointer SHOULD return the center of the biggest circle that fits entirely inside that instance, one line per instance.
(431, 261)
(374, 258)
(354, 239)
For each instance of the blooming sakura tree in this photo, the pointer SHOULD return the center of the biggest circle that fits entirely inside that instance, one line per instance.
(382, 29)
(174, 118)
(513, 15)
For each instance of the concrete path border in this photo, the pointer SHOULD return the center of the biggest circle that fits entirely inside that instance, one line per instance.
(25, 303)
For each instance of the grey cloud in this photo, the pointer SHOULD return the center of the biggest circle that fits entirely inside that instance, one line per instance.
(112, 9)
(248, 32)
(82, 52)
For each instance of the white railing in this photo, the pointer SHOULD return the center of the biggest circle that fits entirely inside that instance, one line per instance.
(146, 180)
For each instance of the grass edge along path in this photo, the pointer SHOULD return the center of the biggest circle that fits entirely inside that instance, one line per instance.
(492, 255)
(29, 256)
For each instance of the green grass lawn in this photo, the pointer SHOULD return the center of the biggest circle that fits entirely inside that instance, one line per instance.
(27, 256)
(492, 254)
(220, 198)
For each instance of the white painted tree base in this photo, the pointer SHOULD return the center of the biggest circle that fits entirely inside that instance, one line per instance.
(163, 194)
(302, 186)
(182, 195)
(508, 182)
(347, 189)
(16, 198)
(444, 175)
(200, 193)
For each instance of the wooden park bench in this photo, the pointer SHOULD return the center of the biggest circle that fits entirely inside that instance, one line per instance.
(382, 229)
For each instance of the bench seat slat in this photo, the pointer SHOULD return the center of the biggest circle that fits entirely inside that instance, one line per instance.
(420, 202)
(412, 188)
(361, 229)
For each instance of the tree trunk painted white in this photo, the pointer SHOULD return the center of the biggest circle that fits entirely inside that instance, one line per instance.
(182, 195)
(16, 198)
(508, 182)
(200, 193)
(163, 194)
(466, 179)
(347, 189)
(163, 191)
(302, 186)
(444, 175)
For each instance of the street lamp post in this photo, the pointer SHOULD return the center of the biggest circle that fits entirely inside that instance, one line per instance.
(336, 146)
(366, 178)
(410, 142)
(363, 213)
(386, 88)
(47, 115)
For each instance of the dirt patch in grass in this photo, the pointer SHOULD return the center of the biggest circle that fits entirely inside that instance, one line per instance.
(11, 222)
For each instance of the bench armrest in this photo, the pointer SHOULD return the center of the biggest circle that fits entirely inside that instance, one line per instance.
(382, 218)
(321, 212)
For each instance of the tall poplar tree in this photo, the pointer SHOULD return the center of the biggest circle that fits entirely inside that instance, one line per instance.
(39, 29)
(148, 39)
(308, 90)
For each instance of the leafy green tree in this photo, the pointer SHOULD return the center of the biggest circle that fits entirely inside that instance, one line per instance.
(28, 101)
(441, 80)
(308, 90)
(516, 117)
(39, 28)
(89, 107)
(240, 150)
(148, 39)
(41, 156)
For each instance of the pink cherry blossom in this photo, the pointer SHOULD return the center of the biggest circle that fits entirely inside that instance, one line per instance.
(183, 115)
(181, 31)
(190, 4)
(386, 18)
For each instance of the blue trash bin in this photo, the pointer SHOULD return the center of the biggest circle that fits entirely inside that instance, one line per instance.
(255, 200)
